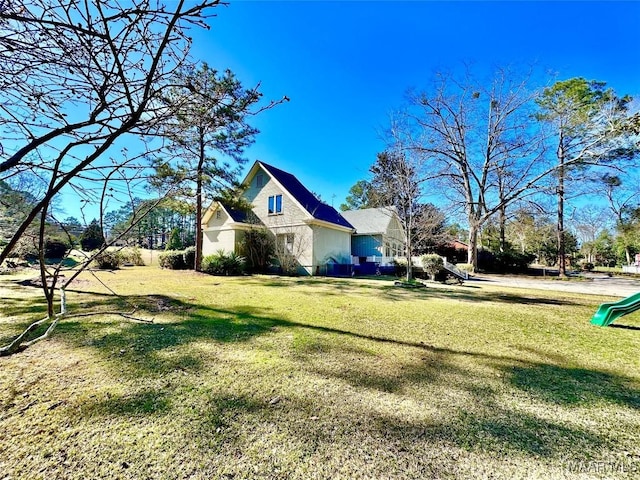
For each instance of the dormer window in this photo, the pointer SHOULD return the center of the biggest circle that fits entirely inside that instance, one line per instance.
(275, 204)
(259, 180)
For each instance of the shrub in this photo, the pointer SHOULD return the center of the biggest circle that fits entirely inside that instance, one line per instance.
(400, 267)
(505, 262)
(259, 246)
(465, 267)
(222, 263)
(26, 248)
(432, 264)
(132, 256)
(173, 260)
(108, 260)
(587, 266)
(55, 247)
(189, 257)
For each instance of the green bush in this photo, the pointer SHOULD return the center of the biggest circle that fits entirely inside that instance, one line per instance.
(108, 260)
(222, 263)
(173, 260)
(504, 262)
(55, 248)
(432, 264)
(132, 256)
(465, 267)
(27, 248)
(189, 256)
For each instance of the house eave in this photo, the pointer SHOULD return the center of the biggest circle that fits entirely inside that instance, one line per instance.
(228, 226)
(322, 223)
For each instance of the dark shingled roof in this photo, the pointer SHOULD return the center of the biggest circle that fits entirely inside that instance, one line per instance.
(319, 210)
(239, 216)
(236, 215)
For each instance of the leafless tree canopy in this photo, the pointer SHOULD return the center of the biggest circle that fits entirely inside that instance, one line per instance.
(75, 76)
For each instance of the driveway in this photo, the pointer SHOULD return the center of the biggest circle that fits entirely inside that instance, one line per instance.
(591, 283)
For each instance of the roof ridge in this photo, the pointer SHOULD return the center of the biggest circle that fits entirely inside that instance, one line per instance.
(312, 204)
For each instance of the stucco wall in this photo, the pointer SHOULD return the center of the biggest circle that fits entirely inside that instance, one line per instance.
(218, 234)
(302, 247)
(214, 240)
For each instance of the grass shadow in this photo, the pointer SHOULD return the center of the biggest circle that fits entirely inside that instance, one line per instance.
(146, 402)
(624, 327)
(574, 386)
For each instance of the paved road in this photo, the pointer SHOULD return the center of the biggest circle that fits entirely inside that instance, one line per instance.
(594, 284)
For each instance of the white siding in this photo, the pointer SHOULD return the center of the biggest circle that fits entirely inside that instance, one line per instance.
(395, 232)
(291, 214)
(218, 234)
(330, 243)
(214, 240)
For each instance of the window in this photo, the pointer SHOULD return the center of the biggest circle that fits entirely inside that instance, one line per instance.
(218, 215)
(284, 242)
(275, 204)
(259, 180)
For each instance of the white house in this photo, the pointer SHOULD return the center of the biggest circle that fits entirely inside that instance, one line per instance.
(312, 232)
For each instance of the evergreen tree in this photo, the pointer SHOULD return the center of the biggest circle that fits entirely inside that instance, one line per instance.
(175, 242)
(92, 236)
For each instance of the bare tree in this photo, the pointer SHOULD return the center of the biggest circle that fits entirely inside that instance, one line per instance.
(75, 77)
(396, 184)
(483, 147)
(478, 144)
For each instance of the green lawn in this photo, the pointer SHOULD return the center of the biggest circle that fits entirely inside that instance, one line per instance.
(267, 377)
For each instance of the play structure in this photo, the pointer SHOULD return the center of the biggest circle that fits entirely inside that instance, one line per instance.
(608, 313)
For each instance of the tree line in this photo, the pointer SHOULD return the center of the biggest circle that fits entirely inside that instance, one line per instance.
(494, 150)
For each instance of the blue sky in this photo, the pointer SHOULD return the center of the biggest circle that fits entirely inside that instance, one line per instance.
(347, 65)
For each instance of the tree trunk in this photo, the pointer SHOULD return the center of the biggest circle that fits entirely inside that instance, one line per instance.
(472, 255)
(409, 255)
(199, 174)
(503, 221)
(562, 256)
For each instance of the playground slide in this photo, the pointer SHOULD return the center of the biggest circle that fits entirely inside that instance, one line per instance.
(608, 313)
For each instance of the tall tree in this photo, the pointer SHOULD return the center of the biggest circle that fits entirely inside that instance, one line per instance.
(478, 144)
(211, 126)
(589, 121)
(396, 184)
(361, 195)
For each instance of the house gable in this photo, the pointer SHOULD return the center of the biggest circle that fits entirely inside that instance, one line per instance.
(219, 216)
(312, 209)
(308, 229)
(378, 231)
(272, 203)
